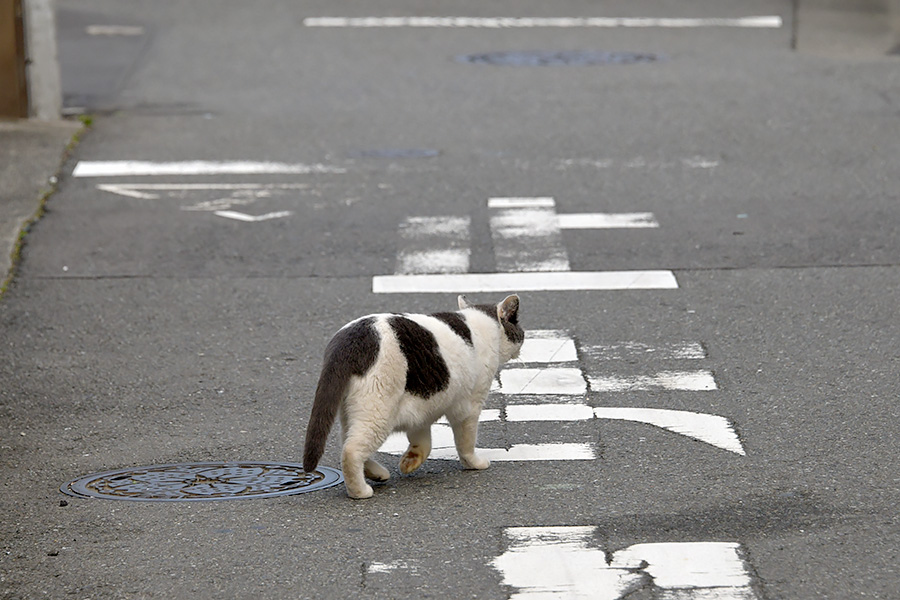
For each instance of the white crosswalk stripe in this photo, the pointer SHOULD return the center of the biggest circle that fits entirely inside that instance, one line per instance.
(434, 245)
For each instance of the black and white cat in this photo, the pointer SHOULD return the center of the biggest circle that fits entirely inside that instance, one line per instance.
(391, 372)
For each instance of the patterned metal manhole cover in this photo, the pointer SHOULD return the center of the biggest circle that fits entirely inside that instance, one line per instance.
(203, 481)
(545, 58)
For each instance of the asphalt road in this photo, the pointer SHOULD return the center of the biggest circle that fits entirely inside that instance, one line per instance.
(144, 328)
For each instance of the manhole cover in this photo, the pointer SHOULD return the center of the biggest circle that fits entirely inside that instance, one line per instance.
(544, 58)
(203, 481)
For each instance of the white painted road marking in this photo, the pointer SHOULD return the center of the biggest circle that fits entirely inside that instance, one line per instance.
(524, 282)
(520, 202)
(134, 168)
(606, 220)
(565, 563)
(551, 380)
(689, 162)
(135, 190)
(434, 245)
(695, 381)
(634, 350)
(238, 216)
(526, 235)
(444, 448)
(114, 30)
(528, 249)
(547, 346)
(712, 429)
(761, 22)
(549, 412)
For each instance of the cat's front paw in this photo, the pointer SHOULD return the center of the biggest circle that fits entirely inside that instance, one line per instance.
(411, 461)
(474, 462)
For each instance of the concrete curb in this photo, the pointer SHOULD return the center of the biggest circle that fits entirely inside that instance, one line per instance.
(854, 29)
(31, 156)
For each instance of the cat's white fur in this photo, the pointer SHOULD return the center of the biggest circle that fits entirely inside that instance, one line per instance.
(376, 403)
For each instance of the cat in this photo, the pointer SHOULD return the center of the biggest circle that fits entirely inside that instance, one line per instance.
(402, 372)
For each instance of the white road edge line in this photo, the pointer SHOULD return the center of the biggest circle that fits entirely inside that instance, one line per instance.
(754, 22)
(524, 282)
(134, 168)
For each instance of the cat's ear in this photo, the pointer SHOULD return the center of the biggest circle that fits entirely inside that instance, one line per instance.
(508, 310)
(463, 302)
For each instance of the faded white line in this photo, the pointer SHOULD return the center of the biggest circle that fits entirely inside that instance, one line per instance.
(411, 566)
(634, 350)
(114, 30)
(690, 162)
(694, 381)
(567, 563)
(711, 429)
(564, 381)
(607, 220)
(434, 245)
(760, 22)
(134, 190)
(526, 235)
(126, 168)
(239, 216)
(524, 282)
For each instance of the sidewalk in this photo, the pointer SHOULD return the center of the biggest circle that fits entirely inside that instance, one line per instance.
(31, 154)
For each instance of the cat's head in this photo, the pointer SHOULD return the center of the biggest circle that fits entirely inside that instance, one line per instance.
(507, 314)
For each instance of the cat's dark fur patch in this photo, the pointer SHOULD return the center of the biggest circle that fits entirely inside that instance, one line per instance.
(356, 345)
(427, 372)
(352, 351)
(457, 323)
(514, 333)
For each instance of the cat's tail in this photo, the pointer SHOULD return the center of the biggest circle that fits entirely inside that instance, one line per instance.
(329, 393)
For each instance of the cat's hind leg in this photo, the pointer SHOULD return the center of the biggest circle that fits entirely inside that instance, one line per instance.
(362, 437)
(375, 471)
(465, 431)
(418, 451)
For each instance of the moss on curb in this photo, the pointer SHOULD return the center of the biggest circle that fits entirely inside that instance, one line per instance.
(45, 194)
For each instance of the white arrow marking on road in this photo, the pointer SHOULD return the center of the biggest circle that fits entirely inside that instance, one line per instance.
(237, 216)
(711, 429)
(767, 22)
(132, 190)
(565, 563)
(123, 168)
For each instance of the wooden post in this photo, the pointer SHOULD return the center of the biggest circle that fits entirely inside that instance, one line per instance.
(13, 86)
